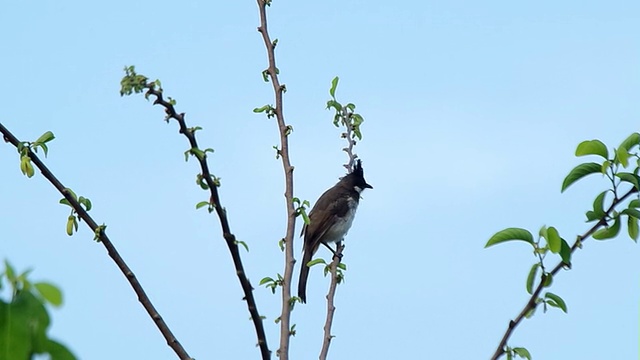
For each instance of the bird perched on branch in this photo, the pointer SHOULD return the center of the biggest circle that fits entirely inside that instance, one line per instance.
(330, 219)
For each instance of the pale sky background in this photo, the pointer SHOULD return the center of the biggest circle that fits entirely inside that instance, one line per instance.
(472, 114)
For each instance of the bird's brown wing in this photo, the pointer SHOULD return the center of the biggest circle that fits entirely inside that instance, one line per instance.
(319, 222)
(323, 215)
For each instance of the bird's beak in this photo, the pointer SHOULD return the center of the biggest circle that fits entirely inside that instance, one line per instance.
(368, 186)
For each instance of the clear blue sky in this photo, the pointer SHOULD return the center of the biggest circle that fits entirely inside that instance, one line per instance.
(473, 111)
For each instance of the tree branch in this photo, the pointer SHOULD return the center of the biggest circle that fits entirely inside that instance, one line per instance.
(284, 129)
(348, 134)
(331, 309)
(229, 237)
(104, 239)
(335, 279)
(531, 303)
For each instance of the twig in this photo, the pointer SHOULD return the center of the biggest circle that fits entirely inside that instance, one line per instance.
(331, 309)
(284, 129)
(229, 237)
(113, 253)
(346, 116)
(531, 303)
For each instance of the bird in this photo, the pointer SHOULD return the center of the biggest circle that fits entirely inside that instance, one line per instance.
(330, 219)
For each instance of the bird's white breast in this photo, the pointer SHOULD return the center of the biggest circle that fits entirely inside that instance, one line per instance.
(342, 225)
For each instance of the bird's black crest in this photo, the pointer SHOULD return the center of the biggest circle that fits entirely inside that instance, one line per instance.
(357, 169)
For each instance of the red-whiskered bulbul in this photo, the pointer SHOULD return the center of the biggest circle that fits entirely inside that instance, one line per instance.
(330, 219)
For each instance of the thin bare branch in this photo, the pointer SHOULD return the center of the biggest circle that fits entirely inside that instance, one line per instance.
(111, 250)
(348, 134)
(229, 237)
(331, 309)
(284, 130)
(531, 303)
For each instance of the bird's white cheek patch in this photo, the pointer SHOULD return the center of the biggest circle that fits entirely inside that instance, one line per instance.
(358, 189)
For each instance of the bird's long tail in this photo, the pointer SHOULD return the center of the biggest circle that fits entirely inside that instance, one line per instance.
(304, 274)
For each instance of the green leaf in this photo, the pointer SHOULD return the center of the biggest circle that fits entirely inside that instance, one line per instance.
(357, 120)
(97, 234)
(565, 252)
(608, 233)
(622, 156)
(591, 216)
(334, 85)
(216, 180)
(598, 204)
(44, 147)
(522, 352)
(509, 235)
(25, 166)
(543, 231)
(632, 212)
(630, 178)
(262, 109)
(73, 195)
(49, 292)
(532, 277)
(58, 351)
(201, 204)
(530, 313)
(72, 224)
(592, 147)
(335, 105)
(197, 153)
(25, 327)
(631, 141)
(635, 203)
(632, 227)
(22, 279)
(200, 181)
(243, 244)
(46, 137)
(547, 280)
(553, 239)
(305, 217)
(86, 202)
(266, 280)
(605, 166)
(579, 172)
(316, 261)
(9, 271)
(557, 301)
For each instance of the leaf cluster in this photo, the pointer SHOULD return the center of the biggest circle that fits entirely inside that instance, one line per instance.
(73, 219)
(612, 165)
(24, 319)
(344, 114)
(25, 147)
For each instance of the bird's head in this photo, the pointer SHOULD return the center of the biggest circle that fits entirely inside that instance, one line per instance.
(356, 178)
